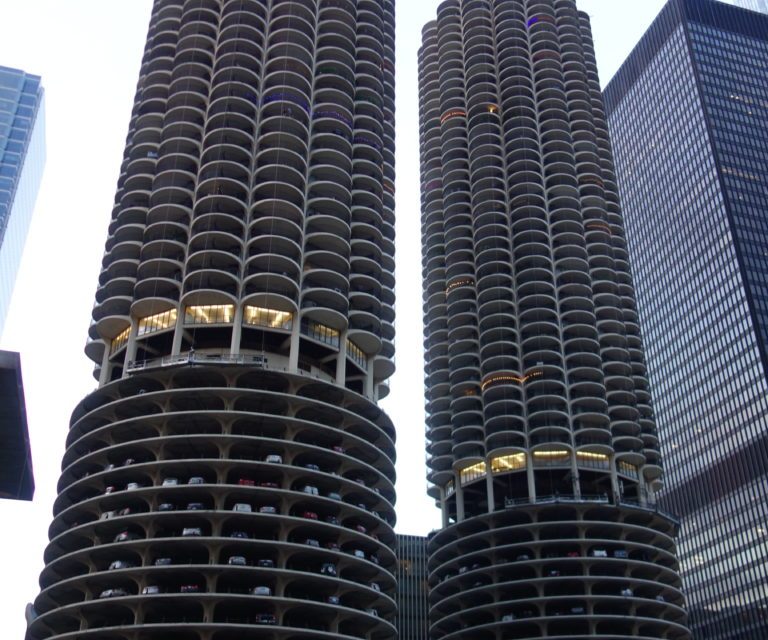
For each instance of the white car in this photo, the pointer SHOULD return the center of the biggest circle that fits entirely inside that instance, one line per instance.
(242, 507)
(170, 482)
(274, 458)
(150, 590)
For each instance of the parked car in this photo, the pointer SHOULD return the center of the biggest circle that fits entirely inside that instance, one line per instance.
(265, 563)
(333, 600)
(372, 612)
(246, 482)
(267, 509)
(269, 485)
(333, 546)
(191, 531)
(110, 489)
(620, 553)
(238, 561)
(266, 618)
(132, 485)
(195, 506)
(311, 466)
(358, 553)
(311, 490)
(113, 593)
(163, 562)
(508, 617)
(261, 591)
(360, 528)
(375, 586)
(150, 590)
(328, 569)
(239, 534)
(274, 458)
(242, 507)
(121, 564)
(331, 519)
(124, 536)
(338, 449)
(333, 495)
(627, 592)
(166, 506)
(107, 515)
(189, 588)
(523, 556)
(309, 515)
(312, 542)
(196, 480)
(599, 553)
(170, 482)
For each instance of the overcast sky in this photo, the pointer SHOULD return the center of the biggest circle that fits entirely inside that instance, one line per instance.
(88, 54)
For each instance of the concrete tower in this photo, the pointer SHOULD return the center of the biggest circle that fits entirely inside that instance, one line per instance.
(543, 453)
(232, 475)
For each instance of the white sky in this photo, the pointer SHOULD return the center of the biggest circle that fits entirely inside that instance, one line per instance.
(88, 53)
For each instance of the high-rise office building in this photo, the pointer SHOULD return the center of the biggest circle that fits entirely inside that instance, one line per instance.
(753, 5)
(412, 588)
(16, 478)
(231, 477)
(688, 115)
(22, 158)
(543, 452)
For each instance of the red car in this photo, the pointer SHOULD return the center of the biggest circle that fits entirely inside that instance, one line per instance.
(246, 482)
(309, 515)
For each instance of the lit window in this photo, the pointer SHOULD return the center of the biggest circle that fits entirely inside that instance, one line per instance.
(357, 355)
(157, 322)
(553, 457)
(510, 462)
(119, 341)
(272, 318)
(471, 473)
(593, 459)
(209, 314)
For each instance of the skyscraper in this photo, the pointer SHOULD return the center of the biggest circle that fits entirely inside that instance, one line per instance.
(22, 157)
(412, 589)
(232, 475)
(543, 453)
(688, 113)
(753, 5)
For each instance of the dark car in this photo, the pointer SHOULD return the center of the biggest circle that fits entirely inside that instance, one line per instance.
(239, 534)
(123, 536)
(190, 588)
(265, 563)
(266, 618)
(195, 506)
(163, 562)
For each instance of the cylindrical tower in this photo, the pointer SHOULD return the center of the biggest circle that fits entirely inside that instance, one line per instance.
(232, 476)
(543, 454)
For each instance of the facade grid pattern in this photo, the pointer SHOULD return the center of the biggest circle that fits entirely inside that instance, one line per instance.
(22, 157)
(688, 113)
(412, 588)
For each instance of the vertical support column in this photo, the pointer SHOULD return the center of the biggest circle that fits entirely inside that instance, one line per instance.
(293, 356)
(130, 348)
(443, 507)
(531, 477)
(489, 487)
(369, 381)
(615, 481)
(178, 333)
(575, 477)
(341, 360)
(106, 365)
(237, 330)
(459, 498)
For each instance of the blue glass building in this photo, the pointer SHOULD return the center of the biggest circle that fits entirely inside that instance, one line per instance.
(22, 157)
(688, 116)
(754, 5)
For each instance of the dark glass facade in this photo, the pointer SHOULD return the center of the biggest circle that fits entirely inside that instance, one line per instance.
(412, 588)
(687, 114)
(22, 156)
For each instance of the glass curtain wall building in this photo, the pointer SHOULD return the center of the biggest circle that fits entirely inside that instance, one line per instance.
(688, 115)
(412, 588)
(232, 476)
(22, 158)
(542, 445)
(754, 5)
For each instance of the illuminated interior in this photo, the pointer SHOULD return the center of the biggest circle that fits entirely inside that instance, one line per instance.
(510, 462)
(157, 322)
(209, 314)
(119, 341)
(262, 317)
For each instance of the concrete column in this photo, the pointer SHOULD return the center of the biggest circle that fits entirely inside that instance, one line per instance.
(575, 476)
(489, 486)
(459, 499)
(106, 365)
(370, 387)
(178, 333)
(443, 507)
(615, 481)
(293, 357)
(237, 330)
(531, 478)
(341, 360)
(130, 348)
